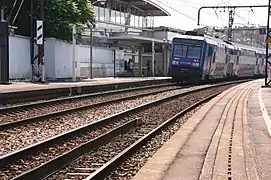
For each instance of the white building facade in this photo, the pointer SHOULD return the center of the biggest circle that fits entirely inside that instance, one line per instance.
(115, 19)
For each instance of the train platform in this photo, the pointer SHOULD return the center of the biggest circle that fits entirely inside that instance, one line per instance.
(228, 138)
(18, 90)
(26, 86)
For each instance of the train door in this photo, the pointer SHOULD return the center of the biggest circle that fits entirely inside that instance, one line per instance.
(233, 55)
(212, 67)
(208, 60)
(257, 67)
(227, 62)
(236, 63)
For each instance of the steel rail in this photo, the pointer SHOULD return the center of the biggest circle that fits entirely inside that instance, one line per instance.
(15, 156)
(111, 165)
(32, 119)
(66, 158)
(14, 97)
(74, 98)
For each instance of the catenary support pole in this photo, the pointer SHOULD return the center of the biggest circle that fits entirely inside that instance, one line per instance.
(73, 52)
(41, 46)
(91, 54)
(268, 37)
(153, 57)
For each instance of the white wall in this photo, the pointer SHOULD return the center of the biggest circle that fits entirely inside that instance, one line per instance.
(19, 57)
(49, 58)
(58, 59)
(102, 61)
(63, 59)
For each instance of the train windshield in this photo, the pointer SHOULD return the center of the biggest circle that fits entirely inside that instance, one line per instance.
(194, 52)
(180, 50)
(187, 51)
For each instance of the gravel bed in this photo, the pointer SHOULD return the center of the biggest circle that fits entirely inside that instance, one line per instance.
(41, 110)
(151, 118)
(100, 156)
(129, 168)
(35, 160)
(19, 137)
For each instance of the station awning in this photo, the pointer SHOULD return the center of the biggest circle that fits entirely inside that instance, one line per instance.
(149, 7)
(135, 39)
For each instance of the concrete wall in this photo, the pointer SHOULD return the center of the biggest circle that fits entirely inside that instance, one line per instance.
(19, 57)
(58, 62)
(58, 59)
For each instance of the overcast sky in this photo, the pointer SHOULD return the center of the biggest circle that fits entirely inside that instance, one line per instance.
(187, 15)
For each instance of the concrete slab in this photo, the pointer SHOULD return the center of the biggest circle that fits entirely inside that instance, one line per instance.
(259, 123)
(218, 142)
(27, 86)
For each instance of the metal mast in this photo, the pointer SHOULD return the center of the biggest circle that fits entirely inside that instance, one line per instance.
(37, 61)
(231, 20)
(268, 41)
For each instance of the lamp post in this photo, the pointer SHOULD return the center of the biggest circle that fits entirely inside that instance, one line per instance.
(90, 53)
(91, 26)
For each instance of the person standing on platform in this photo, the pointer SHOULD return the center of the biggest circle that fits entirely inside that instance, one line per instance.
(131, 67)
(148, 68)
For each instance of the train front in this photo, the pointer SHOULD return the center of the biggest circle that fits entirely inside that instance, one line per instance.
(186, 59)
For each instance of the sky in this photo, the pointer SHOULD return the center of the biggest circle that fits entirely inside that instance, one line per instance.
(184, 13)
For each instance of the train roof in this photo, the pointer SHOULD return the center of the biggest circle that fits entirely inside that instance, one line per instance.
(220, 42)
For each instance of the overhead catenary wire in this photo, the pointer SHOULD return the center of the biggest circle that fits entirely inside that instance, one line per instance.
(177, 10)
(19, 9)
(187, 2)
(13, 6)
(241, 17)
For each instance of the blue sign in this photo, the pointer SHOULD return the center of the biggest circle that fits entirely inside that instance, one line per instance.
(262, 31)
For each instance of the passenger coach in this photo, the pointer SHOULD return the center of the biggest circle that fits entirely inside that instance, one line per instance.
(197, 58)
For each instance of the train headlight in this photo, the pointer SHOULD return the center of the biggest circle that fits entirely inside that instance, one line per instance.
(173, 62)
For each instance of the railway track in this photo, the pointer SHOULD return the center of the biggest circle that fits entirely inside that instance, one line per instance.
(52, 154)
(28, 96)
(22, 113)
(16, 136)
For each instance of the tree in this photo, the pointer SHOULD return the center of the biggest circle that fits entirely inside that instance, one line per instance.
(60, 15)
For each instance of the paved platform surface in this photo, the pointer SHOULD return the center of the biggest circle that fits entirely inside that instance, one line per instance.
(23, 86)
(227, 139)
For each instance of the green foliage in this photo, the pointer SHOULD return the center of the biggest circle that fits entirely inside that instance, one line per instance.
(59, 16)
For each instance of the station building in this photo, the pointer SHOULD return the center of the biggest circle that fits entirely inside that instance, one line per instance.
(125, 29)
